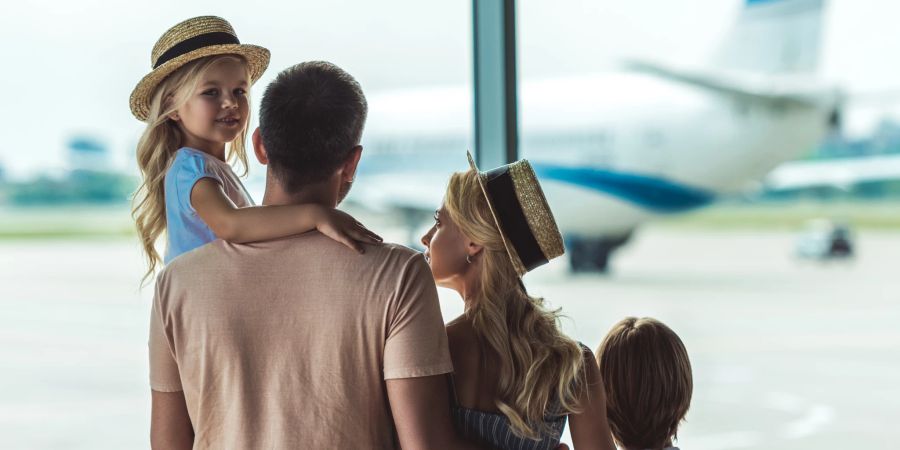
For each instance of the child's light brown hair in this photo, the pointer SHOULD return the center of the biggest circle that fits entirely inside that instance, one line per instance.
(647, 375)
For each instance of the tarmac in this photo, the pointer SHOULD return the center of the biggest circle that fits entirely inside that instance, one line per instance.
(786, 353)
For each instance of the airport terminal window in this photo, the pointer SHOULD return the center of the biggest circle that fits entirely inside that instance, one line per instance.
(786, 298)
(68, 178)
(716, 178)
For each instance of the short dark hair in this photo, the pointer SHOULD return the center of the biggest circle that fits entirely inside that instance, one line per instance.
(311, 117)
(648, 381)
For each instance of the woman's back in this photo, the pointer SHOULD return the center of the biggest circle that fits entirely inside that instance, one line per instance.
(475, 377)
(474, 385)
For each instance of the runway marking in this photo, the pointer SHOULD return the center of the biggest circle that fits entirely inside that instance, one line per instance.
(813, 417)
(817, 417)
(727, 440)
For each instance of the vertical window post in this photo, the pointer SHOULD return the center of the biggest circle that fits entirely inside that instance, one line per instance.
(496, 111)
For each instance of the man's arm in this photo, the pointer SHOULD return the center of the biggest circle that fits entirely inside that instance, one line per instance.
(170, 425)
(421, 410)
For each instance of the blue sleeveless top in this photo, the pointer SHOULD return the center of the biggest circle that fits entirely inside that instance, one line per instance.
(185, 230)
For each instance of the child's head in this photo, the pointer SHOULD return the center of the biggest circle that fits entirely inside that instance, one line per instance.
(648, 381)
(205, 101)
(195, 94)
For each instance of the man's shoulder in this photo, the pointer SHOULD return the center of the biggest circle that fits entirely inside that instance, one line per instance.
(383, 258)
(381, 263)
(315, 246)
(191, 260)
(322, 246)
(392, 250)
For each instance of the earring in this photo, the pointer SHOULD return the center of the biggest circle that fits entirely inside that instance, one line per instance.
(469, 259)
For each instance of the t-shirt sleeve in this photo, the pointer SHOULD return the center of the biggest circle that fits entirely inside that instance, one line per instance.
(190, 170)
(416, 344)
(164, 375)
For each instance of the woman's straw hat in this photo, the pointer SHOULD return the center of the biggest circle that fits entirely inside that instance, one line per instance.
(190, 40)
(521, 213)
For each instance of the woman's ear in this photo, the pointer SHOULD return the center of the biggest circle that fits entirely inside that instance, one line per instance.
(258, 148)
(473, 249)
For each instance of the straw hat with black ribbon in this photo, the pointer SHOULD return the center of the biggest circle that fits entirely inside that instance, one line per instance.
(521, 213)
(187, 41)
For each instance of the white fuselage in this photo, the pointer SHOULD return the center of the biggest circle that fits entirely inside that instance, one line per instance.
(626, 123)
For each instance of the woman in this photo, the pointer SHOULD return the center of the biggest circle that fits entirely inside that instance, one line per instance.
(517, 377)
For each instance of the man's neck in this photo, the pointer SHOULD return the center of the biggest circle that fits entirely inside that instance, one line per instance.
(321, 193)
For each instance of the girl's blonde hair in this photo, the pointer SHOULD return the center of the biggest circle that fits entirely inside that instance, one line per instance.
(540, 369)
(158, 144)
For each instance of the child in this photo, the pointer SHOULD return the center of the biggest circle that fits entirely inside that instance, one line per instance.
(647, 376)
(195, 102)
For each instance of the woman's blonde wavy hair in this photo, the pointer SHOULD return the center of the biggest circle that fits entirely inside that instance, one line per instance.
(540, 368)
(157, 146)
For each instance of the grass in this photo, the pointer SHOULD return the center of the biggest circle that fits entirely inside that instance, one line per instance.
(66, 222)
(114, 222)
(883, 215)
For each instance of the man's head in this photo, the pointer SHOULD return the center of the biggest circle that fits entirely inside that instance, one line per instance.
(310, 125)
(647, 377)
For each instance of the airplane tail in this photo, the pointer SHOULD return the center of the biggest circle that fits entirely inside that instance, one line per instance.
(774, 37)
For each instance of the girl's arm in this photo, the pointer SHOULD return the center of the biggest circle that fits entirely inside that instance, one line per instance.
(259, 223)
(589, 428)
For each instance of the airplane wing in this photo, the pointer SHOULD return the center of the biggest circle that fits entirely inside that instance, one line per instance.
(843, 173)
(791, 89)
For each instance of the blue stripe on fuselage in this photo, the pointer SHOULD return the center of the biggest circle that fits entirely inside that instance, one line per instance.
(656, 194)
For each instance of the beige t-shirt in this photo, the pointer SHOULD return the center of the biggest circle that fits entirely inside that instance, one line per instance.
(285, 344)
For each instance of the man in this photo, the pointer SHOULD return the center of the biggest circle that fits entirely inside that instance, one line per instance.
(298, 342)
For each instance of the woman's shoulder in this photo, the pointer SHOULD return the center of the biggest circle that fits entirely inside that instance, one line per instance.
(463, 345)
(461, 339)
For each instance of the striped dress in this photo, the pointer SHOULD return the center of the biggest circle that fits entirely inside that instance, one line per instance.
(496, 430)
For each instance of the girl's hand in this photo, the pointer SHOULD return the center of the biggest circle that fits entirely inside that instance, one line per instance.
(342, 227)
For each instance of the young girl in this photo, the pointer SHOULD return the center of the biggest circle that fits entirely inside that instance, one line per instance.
(195, 102)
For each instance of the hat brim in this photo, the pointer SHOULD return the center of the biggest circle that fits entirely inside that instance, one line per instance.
(257, 61)
(513, 255)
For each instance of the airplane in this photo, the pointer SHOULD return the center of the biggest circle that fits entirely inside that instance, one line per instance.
(614, 150)
(843, 173)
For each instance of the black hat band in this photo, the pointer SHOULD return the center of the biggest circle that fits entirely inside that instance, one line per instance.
(502, 192)
(196, 43)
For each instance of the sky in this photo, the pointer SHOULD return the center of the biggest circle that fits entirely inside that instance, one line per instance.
(69, 66)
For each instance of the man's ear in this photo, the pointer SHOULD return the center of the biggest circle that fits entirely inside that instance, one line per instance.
(348, 170)
(258, 148)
